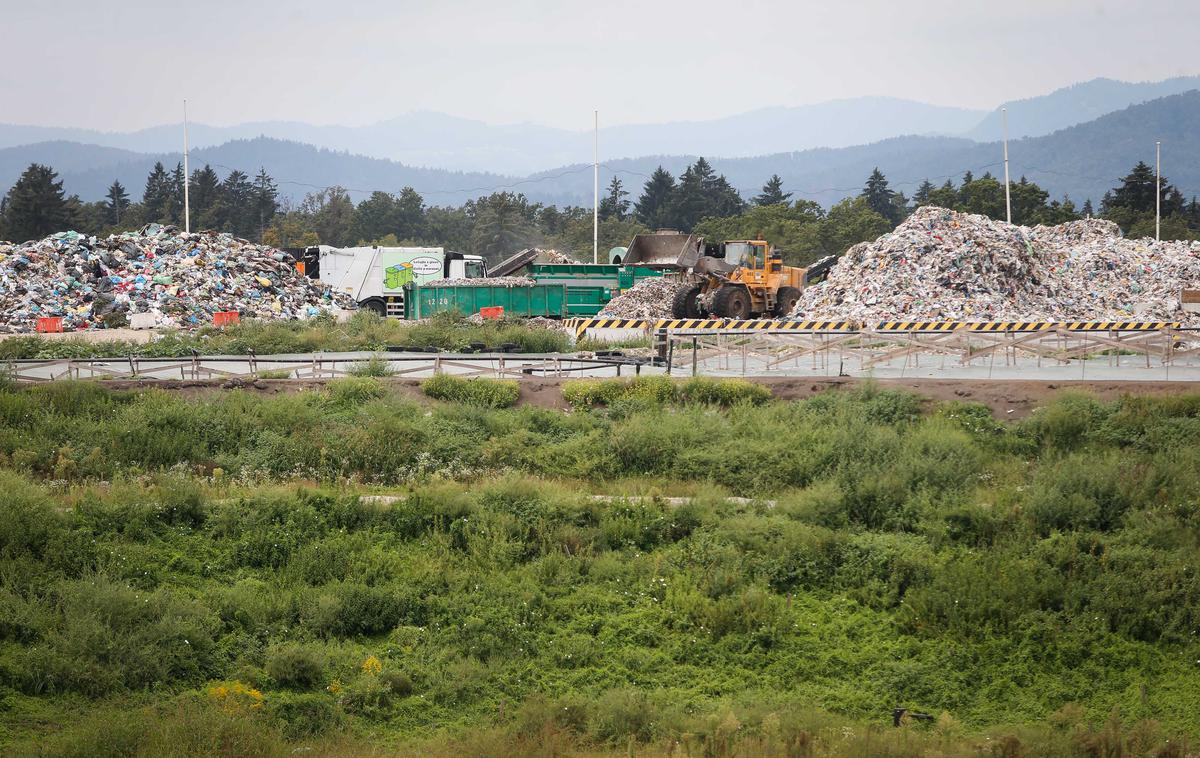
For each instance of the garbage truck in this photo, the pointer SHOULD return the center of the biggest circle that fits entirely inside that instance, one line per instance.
(377, 277)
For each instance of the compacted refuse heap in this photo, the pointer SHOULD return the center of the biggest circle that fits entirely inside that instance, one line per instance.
(180, 279)
(648, 299)
(490, 281)
(944, 265)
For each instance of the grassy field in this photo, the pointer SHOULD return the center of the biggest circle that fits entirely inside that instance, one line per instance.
(187, 575)
(365, 331)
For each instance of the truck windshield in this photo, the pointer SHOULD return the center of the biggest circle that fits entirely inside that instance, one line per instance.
(474, 269)
(739, 254)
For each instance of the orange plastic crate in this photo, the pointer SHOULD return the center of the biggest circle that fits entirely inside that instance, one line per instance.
(49, 324)
(225, 318)
(493, 311)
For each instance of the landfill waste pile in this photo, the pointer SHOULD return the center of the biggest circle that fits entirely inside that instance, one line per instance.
(541, 322)
(555, 257)
(944, 265)
(648, 299)
(536, 322)
(180, 279)
(491, 281)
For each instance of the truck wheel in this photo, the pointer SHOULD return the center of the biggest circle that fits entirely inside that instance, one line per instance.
(785, 300)
(685, 304)
(376, 306)
(732, 302)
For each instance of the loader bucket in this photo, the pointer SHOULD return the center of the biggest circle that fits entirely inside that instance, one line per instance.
(663, 250)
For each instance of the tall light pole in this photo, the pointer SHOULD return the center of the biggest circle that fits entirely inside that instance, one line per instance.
(1007, 191)
(1157, 190)
(596, 187)
(187, 209)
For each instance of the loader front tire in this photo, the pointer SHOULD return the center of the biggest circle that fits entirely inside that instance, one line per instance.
(785, 301)
(732, 302)
(685, 303)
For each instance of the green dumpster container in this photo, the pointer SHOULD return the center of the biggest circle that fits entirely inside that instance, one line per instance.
(549, 300)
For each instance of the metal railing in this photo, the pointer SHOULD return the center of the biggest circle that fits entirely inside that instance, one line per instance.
(319, 366)
(830, 352)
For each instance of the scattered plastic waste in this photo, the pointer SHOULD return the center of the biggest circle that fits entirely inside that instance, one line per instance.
(178, 279)
(944, 265)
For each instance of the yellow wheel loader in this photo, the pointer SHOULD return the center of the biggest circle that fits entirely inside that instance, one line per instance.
(736, 279)
(740, 279)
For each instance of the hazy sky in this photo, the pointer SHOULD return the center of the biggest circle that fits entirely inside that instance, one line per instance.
(124, 64)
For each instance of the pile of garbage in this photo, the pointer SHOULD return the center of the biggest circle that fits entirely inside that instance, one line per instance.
(555, 257)
(944, 265)
(491, 281)
(648, 299)
(180, 279)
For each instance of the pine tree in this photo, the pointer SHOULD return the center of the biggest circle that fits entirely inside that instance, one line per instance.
(879, 197)
(35, 206)
(772, 193)
(175, 195)
(614, 204)
(204, 189)
(721, 200)
(156, 196)
(236, 197)
(1137, 189)
(266, 200)
(118, 203)
(1088, 211)
(651, 207)
(921, 196)
(688, 204)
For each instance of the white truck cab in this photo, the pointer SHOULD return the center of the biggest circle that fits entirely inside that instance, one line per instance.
(376, 277)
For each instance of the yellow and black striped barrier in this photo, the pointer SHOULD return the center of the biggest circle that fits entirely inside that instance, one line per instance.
(1117, 326)
(919, 326)
(581, 325)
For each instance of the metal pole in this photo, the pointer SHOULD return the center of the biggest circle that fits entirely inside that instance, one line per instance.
(1007, 192)
(1157, 191)
(596, 188)
(187, 210)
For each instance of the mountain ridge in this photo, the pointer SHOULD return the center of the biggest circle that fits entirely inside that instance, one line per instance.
(1083, 161)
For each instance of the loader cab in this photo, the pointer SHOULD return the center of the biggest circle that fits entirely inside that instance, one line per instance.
(751, 254)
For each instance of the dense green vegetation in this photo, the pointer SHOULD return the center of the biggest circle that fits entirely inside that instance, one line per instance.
(497, 224)
(185, 575)
(364, 331)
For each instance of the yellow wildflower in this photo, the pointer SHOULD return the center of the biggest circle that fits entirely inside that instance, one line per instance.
(372, 665)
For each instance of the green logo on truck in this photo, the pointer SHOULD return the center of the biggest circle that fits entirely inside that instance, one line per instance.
(395, 277)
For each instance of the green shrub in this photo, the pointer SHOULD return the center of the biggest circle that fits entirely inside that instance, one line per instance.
(354, 391)
(650, 391)
(586, 393)
(726, 392)
(351, 609)
(111, 637)
(368, 695)
(27, 520)
(188, 726)
(300, 667)
(303, 715)
(620, 714)
(486, 393)
(397, 682)
(1066, 422)
(374, 366)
